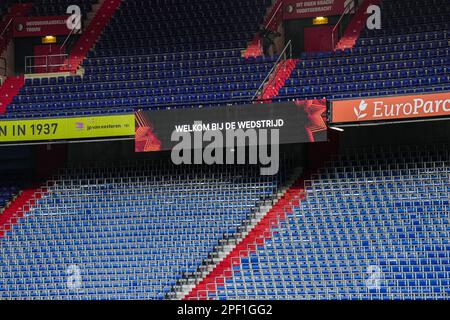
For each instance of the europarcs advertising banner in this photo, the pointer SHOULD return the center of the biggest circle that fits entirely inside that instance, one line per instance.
(391, 108)
(67, 128)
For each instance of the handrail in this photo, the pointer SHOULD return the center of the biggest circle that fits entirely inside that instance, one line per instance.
(65, 40)
(30, 68)
(275, 66)
(68, 37)
(280, 5)
(6, 27)
(346, 11)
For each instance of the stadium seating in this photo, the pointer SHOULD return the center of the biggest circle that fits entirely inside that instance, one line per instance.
(129, 231)
(374, 225)
(126, 84)
(201, 67)
(4, 7)
(48, 7)
(408, 55)
(177, 26)
(59, 7)
(8, 188)
(14, 173)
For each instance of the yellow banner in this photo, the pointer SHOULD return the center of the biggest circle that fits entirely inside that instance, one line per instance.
(67, 128)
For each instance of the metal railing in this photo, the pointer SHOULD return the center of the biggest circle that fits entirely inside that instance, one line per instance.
(268, 80)
(50, 63)
(5, 36)
(350, 8)
(5, 29)
(274, 16)
(72, 32)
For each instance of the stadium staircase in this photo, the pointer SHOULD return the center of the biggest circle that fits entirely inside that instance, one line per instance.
(373, 225)
(256, 235)
(423, 257)
(356, 26)
(17, 193)
(272, 20)
(254, 48)
(228, 246)
(101, 16)
(408, 55)
(17, 208)
(204, 285)
(282, 72)
(10, 88)
(130, 228)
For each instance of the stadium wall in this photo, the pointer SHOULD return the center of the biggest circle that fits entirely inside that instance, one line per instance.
(396, 134)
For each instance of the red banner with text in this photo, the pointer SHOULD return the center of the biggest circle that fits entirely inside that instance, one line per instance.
(41, 26)
(299, 9)
(391, 108)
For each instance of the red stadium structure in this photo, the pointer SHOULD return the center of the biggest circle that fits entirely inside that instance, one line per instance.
(224, 150)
